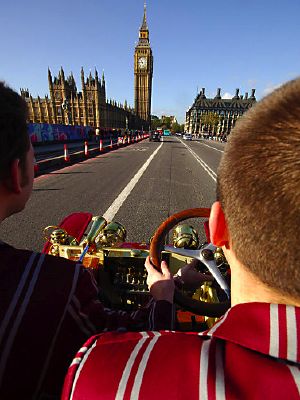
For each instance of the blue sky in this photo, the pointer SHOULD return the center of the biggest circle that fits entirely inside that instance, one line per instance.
(229, 44)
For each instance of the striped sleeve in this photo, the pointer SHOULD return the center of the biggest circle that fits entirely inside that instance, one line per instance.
(35, 292)
(49, 307)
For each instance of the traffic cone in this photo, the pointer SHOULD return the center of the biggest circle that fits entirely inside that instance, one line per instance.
(101, 145)
(35, 167)
(66, 153)
(86, 149)
(111, 143)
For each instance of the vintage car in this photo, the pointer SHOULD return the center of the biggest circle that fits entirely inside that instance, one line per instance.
(119, 265)
(154, 137)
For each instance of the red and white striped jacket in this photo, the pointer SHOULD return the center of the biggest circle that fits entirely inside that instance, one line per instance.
(251, 353)
(48, 308)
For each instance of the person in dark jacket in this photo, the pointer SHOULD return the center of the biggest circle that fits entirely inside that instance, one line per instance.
(48, 305)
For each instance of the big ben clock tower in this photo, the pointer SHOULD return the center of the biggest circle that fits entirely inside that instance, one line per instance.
(143, 70)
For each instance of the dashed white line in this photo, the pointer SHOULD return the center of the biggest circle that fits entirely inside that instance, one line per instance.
(207, 145)
(211, 147)
(207, 168)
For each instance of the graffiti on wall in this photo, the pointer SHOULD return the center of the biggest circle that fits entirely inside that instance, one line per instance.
(56, 132)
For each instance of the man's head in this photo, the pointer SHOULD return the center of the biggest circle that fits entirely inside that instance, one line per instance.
(259, 190)
(16, 155)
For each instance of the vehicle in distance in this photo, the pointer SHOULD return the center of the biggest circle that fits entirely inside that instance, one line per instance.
(187, 136)
(154, 136)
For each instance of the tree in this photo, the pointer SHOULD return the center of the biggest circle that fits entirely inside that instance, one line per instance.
(176, 127)
(155, 122)
(211, 119)
(166, 123)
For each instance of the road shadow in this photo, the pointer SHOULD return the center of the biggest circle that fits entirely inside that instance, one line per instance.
(97, 162)
(43, 190)
(71, 173)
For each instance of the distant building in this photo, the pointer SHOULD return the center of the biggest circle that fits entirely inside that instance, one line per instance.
(228, 110)
(90, 107)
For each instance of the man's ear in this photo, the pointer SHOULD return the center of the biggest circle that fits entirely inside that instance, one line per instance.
(13, 182)
(218, 226)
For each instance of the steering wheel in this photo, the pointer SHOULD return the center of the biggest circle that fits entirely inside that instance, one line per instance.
(156, 247)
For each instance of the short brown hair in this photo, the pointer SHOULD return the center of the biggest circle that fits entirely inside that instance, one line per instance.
(14, 138)
(259, 189)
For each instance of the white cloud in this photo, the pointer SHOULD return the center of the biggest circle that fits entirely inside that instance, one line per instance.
(270, 88)
(227, 95)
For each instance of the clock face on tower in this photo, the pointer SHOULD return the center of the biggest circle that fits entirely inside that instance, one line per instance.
(142, 62)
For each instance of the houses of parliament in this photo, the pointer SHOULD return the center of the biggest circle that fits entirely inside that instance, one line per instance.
(89, 107)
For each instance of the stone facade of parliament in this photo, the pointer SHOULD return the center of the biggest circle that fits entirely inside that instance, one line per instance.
(228, 110)
(89, 107)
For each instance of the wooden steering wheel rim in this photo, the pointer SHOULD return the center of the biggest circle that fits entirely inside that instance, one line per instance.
(157, 243)
(156, 247)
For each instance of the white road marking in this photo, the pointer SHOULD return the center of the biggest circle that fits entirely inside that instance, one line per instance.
(117, 204)
(207, 145)
(211, 147)
(210, 172)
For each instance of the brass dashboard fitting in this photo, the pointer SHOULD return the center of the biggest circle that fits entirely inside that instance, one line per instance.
(219, 256)
(135, 252)
(185, 236)
(113, 234)
(57, 237)
(209, 294)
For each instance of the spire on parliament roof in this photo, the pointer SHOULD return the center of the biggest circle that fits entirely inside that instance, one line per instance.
(144, 26)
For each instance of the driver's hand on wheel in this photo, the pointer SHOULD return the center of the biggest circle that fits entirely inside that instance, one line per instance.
(161, 284)
(189, 278)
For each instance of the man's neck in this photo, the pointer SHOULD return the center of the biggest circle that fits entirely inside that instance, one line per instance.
(7, 203)
(246, 287)
(4, 201)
